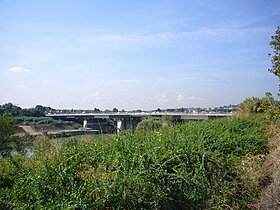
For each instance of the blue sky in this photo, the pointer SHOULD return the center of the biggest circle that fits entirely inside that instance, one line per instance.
(135, 54)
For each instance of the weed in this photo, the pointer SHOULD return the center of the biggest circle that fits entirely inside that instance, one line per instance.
(194, 165)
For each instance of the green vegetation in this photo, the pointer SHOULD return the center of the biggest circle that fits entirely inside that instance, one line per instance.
(193, 165)
(9, 142)
(267, 104)
(38, 111)
(149, 123)
(33, 116)
(7, 130)
(275, 44)
(44, 121)
(152, 123)
(270, 198)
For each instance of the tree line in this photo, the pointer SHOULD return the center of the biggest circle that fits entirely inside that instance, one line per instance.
(15, 111)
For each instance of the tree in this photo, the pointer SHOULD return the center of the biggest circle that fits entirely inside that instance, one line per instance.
(275, 44)
(7, 129)
(96, 110)
(41, 110)
(10, 108)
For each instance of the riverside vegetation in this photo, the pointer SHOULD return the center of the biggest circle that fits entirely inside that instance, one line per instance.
(197, 165)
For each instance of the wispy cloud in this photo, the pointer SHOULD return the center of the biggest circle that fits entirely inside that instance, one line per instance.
(231, 34)
(48, 81)
(19, 69)
(116, 38)
(112, 82)
(162, 98)
(122, 41)
(194, 98)
(180, 98)
(97, 97)
(222, 34)
(125, 89)
(20, 86)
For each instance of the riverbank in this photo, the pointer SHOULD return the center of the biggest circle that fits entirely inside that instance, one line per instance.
(195, 165)
(52, 130)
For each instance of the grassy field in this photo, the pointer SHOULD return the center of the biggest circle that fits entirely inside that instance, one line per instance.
(196, 165)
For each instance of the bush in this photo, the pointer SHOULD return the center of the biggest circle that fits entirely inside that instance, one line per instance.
(7, 129)
(188, 166)
(44, 121)
(254, 105)
(149, 124)
(152, 123)
(250, 106)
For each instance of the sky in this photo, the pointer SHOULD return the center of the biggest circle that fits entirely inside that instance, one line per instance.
(127, 54)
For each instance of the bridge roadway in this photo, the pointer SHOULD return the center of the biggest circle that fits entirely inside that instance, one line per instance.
(120, 115)
(109, 122)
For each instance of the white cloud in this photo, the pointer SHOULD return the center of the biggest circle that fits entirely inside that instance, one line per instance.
(48, 81)
(126, 41)
(92, 86)
(20, 86)
(161, 98)
(180, 98)
(112, 82)
(221, 34)
(115, 38)
(124, 89)
(97, 97)
(19, 69)
(194, 98)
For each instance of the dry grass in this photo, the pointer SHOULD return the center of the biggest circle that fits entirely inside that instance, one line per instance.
(270, 199)
(254, 173)
(240, 113)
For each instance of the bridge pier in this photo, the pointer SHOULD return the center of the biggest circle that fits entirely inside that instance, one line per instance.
(85, 124)
(119, 126)
(127, 123)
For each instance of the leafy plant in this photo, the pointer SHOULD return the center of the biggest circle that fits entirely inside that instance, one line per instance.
(44, 121)
(188, 166)
(254, 105)
(7, 129)
(275, 44)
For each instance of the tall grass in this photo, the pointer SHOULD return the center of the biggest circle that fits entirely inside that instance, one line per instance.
(189, 166)
(270, 198)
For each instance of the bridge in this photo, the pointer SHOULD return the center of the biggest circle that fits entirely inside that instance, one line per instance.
(108, 122)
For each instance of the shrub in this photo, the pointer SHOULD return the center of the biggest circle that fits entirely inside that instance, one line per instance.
(149, 124)
(254, 105)
(188, 166)
(7, 129)
(249, 106)
(152, 123)
(44, 121)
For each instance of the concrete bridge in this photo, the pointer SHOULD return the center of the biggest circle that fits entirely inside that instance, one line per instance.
(110, 122)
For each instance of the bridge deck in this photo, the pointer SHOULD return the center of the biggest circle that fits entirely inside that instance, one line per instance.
(183, 116)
